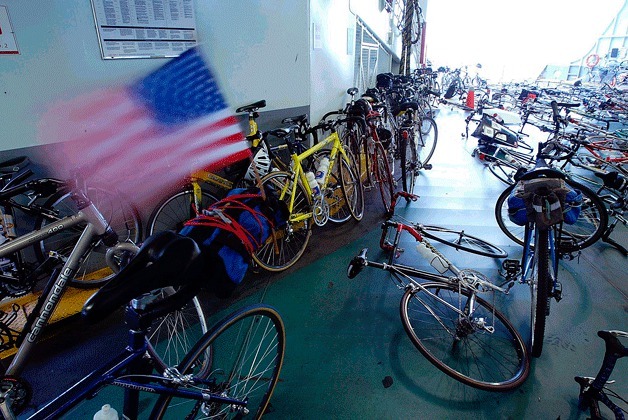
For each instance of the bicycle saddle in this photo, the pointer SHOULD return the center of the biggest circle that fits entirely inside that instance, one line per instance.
(166, 259)
(396, 109)
(295, 120)
(13, 165)
(252, 107)
(613, 180)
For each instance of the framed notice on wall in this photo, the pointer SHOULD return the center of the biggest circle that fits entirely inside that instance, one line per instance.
(8, 44)
(144, 28)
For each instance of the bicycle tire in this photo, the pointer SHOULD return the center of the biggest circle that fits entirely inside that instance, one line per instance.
(241, 368)
(172, 212)
(339, 211)
(504, 171)
(426, 140)
(121, 215)
(173, 335)
(462, 241)
(409, 162)
(590, 226)
(540, 285)
(495, 361)
(351, 185)
(383, 176)
(354, 141)
(287, 241)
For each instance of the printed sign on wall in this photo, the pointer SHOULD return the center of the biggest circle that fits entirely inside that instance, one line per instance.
(144, 28)
(8, 44)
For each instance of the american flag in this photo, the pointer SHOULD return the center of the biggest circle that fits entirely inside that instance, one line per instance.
(145, 138)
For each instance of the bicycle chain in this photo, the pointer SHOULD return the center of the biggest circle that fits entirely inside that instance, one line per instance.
(18, 391)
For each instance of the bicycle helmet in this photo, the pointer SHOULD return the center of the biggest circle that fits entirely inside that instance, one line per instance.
(384, 80)
(372, 95)
(261, 163)
(361, 108)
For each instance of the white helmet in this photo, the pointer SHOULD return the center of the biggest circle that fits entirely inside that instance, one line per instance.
(261, 163)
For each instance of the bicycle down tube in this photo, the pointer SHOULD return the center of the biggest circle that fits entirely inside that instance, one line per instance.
(96, 226)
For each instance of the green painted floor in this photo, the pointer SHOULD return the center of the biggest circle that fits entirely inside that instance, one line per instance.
(345, 336)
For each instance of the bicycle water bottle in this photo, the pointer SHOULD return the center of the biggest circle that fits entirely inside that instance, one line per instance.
(311, 180)
(435, 260)
(323, 167)
(106, 413)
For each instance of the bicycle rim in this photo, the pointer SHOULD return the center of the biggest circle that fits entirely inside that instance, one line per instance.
(408, 163)
(463, 241)
(383, 176)
(247, 351)
(175, 210)
(352, 189)
(496, 361)
(426, 140)
(173, 335)
(288, 240)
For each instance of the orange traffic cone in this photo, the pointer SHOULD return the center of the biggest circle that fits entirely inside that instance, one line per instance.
(471, 99)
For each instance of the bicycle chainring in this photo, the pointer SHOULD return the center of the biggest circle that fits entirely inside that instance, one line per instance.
(320, 210)
(17, 390)
(14, 287)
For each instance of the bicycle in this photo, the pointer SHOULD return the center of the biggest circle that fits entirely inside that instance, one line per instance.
(594, 390)
(459, 332)
(96, 231)
(339, 197)
(364, 136)
(542, 203)
(593, 220)
(173, 211)
(231, 370)
(47, 201)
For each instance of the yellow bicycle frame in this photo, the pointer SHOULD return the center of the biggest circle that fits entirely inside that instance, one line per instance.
(299, 173)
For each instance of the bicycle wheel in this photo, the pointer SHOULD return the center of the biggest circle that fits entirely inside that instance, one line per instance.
(589, 227)
(409, 161)
(247, 351)
(175, 210)
(464, 347)
(383, 176)
(353, 140)
(504, 171)
(173, 335)
(540, 283)
(122, 216)
(352, 189)
(426, 140)
(461, 240)
(287, 241)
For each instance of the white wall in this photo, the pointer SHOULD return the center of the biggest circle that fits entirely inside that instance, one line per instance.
(259, 50)
(332, 66)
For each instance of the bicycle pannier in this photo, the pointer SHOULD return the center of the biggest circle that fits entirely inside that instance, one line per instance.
(572, 206)
(230, 231)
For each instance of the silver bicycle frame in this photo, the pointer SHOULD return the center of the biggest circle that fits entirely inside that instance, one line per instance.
(96, 226)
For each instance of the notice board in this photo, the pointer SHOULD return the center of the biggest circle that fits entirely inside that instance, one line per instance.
(144, 28)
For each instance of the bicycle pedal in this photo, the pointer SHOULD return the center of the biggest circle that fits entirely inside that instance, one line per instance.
(427, 166)
(557, 294)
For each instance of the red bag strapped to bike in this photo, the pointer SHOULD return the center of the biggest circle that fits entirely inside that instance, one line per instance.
(230, 231)
(545, 201)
